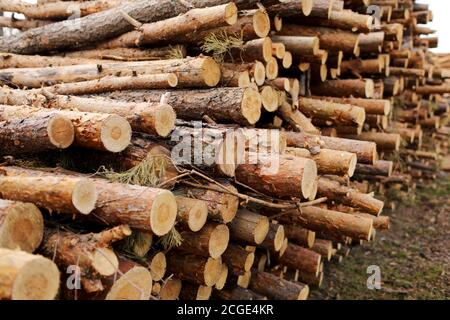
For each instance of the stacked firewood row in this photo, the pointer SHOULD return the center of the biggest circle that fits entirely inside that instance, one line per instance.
(158, 149)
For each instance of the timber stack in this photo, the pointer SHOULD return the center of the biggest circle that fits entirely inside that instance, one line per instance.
(161, 149)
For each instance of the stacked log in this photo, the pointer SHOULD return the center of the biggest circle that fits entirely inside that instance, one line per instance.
(208, 149)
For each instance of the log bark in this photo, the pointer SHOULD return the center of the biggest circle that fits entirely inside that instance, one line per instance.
(276, 288)
(21, 226)
(299, 46)
(96, 27)
(191, 72)
(47, 132)
(300, 236)
(359, 88)
(324, 248)
(9, 60)
(329, 161)
(371, 106)
(237, 293)
(191, 292)
(25, 24)
(90, 252)
(169, 30)
(238, 259)
(380, 168)
(195, 269)
(279, 175)
(384, 141)
(300, 258)
(242, 75)
(211, 241)
(192, 213)
(249, 227)
(274, 239)
(21, 270)
(296, 119)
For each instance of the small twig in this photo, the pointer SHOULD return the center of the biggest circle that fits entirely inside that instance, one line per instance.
(130, 19)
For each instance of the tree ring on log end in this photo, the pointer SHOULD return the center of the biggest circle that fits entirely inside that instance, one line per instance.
(261, 230)
(352, 165)
(308, 178)
(261, 24)
(84, 196)
(269, 99)
(136, 284)
(212, 271)
(218, 241)
(198, 216)
(279, 238)
(304, 293)
(158, 266)
(259, 73)
(307, 6)
(116, 134)
(231, 14)
(223, 277)
(230, 206)
(105, 261)
(249, 261)
(61, 131)
(170, 290)
(272, 68)
(203, 293)
(165, 118)
(211, 72)
(267, 49)
(163, 213)
(251, 105)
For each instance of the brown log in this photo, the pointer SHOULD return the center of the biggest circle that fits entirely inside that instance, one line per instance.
(299, 46)
(237, 293)
(47, 132)
(292, 8)
(169, 30)
(371, 106)
(269, 98)
(195, 269)
(296, 119)
(359, 88)
(222, 206)
(379, 168)
(21, 226)
(279, 175)
(21, 270)
(258, 49)
(329, 161)
(170, 289)
(242, 75)
(249, 227)
(192, 72)
(300, 258)
(238, 259)
(274, 239)
(97, 131)
(345, 19)
(191, 291)
(220, 284)
(20, 24)
(9, 60)
(157, 264)
(324, 248)
(90, 252)
(333, 190)
(300, 236)
(211, 241)
(427, 90)
(371, 42)
(363, 67)
(192, 213)
(384, 141)
(276, 288)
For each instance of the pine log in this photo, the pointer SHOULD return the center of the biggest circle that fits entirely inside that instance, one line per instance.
(10, 60)
(292, 8)
(211, 241)
(371, 42)
(47, 132)
(300, 236)
(96, 27)
(300, 258)
(237, 293)
(170, 289)
(238, 259)
(220, 284)
(192, 213)
(195, 269)
(191, 72)
(157, 264)
(371, 106)
(258, 49)
(329, 161)
(249, 227)
(296, 119)
(269, 98)
(427, 90)
(169, 30)
(333, 190)
(384, 141)
(7, 22)
(97, 131)
(242, 75)
(276, 288)
(222, 206)
(191, 292)
(68, 195)
(274, 239)
(299, 46)
(279, 175)
(21, 226)
(345, 20)
(90, 252)
(379, 168)
(359, 88)
(21, 271)
(324, 248)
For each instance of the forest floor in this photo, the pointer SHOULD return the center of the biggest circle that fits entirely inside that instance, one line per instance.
(413, 256)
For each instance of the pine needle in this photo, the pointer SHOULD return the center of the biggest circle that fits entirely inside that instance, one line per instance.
(220, 44)
(171, 239)
(148, 173)
(175, 52)
(137, 245)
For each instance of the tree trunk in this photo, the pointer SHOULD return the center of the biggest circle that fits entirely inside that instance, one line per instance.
(195, 269)
(329, 161)
(191, 72)
(333, 190)
(279, 175)
(242, 75)
(384, 141)
(276, 288)
(21, 270)
(96, 27)
(192, 213)
(299, 46)
(7, 22)
(211, 241)
(360, 88)
(296, 119)
(238, 259)
(249, 227)
(324, 248)
(10, 60)
(35, 133)
(21, 226)
(300, 258)
(274, 239)
(297, 8)
(167, 31)
(379, 168)
(157, 264)
(300, 236)
(237, 293)
(90, 252)
(371, 106)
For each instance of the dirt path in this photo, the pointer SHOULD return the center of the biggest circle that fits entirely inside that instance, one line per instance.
(414, 256)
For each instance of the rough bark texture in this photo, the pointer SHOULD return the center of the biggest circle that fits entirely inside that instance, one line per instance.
(306, 260)
(199, 270)
(372, 106)
(249, 227)
(276, 288)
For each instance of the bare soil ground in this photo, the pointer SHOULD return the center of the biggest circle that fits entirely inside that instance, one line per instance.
(414, 256)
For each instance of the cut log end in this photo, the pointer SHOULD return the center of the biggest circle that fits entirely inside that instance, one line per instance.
(261, 24)
(37, 280)
(116, 134)
(231, 14)
(170, 290)
(267, 49)
(105, 261)
(163, 213)
(165, 118)
(278, 50)
(259, 73)
(311, 238)
(198, 216)
(287, 60)
(269, 99)
(304, 293)
(261, 230)
(220, 284)
(135, 284)
(249, 261)
(226, 160)
(272, 68)
(352, 165)
(370, 88)
(172, 80)
(212, 271)
(218, 241)
(23, 227)
(158, 266)
(251, 105)
(307, 7)
(61, 131)
(279, 238)
(84, 197)
(211, 72)
(203, 293)
(308, 178)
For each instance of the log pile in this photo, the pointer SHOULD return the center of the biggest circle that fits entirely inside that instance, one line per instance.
(208, 149)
